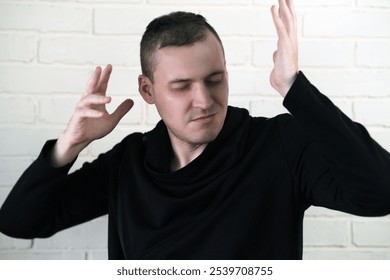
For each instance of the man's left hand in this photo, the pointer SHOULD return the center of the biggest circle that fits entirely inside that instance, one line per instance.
(286, 56)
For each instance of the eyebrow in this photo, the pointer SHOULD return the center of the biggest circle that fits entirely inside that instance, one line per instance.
(179, 80)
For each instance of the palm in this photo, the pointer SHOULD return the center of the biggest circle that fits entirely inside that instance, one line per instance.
(89, 129)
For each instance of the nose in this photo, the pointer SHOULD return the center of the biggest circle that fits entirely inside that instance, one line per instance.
(202, 97)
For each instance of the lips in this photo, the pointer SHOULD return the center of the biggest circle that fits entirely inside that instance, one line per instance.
(203, 117)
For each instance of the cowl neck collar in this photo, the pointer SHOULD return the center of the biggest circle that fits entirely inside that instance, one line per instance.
(217, 157)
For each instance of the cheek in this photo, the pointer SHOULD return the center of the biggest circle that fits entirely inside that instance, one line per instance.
(171, 107)
(221, 97)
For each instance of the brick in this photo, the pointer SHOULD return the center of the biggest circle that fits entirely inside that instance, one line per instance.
(372, 111)
(124, 20)
(11, 169)
(241, 102)
(326, 53)
(311, 53)
(89, 50)
(26, 141)
(252, 22)
(374, 233)
(45, 17)
(4, 191)
(345, 106)
(309, 3)
(382, 136)
(42, 255)
(199, 2)
(373, 53)
(43, 79)
(124, 81)
(263, 52)
(237, 52)
(326, 233)
(373, 3)
(17, 109)
(267, 107)
(247, 81)
(8, 243)
(58, 79)
(152, 115)
(344, 254)
(57, 110)
(373, 23)
(85, 236)
(17, 48)
(113, 1)
(350, 83)
(97, 255)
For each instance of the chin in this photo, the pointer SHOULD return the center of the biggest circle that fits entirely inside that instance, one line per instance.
(205, 137)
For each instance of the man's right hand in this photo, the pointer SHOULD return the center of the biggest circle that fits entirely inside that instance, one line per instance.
(90, 120)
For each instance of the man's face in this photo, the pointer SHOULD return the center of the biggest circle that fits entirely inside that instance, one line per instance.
(190, 91)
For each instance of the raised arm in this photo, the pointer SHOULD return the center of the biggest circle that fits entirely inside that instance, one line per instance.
(334, 161)
(46, 198)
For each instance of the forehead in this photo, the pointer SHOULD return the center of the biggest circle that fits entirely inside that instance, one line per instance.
(189, 62)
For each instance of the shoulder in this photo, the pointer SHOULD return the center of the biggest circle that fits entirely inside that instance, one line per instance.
(114, 154)
(281, 121)
(278, 122)
(132, 141)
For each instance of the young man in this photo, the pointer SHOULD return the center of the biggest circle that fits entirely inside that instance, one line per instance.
(209, 181)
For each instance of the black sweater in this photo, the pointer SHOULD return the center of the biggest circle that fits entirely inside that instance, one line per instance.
(244, 197)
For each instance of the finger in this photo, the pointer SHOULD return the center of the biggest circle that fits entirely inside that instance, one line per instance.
(122, 110)
(284, 10)
(105, 77)
(290, 5)
(286, 15)
(94, 100)
(89, 113)
(93, 82)
(279, 25)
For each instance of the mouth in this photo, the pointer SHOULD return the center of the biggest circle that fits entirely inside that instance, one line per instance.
(204, 118)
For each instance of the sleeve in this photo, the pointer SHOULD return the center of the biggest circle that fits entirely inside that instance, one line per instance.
(333, 160)
(46, 200)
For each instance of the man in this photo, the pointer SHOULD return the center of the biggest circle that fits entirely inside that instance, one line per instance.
(209, 181)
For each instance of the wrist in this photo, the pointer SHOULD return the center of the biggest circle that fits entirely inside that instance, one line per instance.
(286, 85)
(64, 151)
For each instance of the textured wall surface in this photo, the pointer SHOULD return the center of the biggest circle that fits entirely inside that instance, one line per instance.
(48, 49)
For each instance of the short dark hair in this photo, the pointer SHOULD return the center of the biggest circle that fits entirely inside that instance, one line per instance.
(174, 29)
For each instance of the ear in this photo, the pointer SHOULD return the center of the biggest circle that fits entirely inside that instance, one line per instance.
(145, 88)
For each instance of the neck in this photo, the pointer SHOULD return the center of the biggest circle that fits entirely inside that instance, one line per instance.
(184, 153)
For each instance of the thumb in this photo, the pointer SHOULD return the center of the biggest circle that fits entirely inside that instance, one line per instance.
(122, 110)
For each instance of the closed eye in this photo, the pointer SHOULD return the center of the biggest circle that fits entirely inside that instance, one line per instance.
(213, 82)
(182, 87)
(215, 78)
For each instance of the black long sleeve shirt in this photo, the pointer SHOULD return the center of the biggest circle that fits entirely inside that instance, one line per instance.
(244, 197)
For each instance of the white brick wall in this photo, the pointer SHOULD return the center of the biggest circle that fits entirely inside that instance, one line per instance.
(48, 49)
